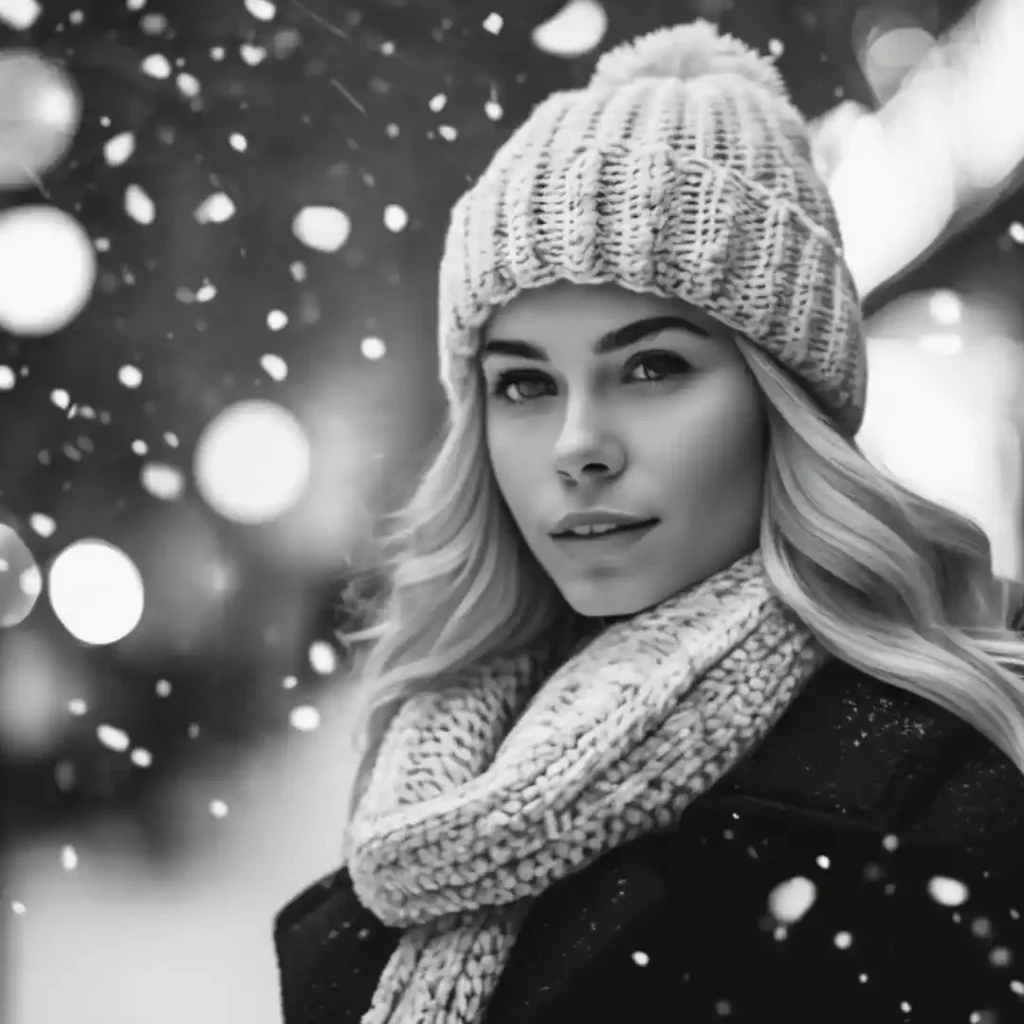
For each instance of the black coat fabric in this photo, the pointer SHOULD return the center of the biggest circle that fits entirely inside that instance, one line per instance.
(677, 928)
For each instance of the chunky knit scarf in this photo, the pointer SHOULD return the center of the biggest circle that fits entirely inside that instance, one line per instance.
(487, 792)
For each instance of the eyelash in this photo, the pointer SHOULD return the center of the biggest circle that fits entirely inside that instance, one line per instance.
(509, 377)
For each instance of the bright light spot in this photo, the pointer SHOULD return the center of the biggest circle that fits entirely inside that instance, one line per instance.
(163, 688)
(162, 481)
(493, 23)
(438, 103)
(205, 292)
(790, 900)
(130, 376)
(493, 110)
(253, 462)
(879, 192)
(96, 592)
(890, 842)
(238, 142)
(42, 524)
(39, 113)
(1016, 230)
(949, 892)
(68, 857)
(275, 367)
(946, 307)
(188, 85)
(156, 65)
(138, 205)
(322, 227)
(60, 398)
(218, 808)
(18, 907)
(20, 579)
(252, 55)
(395, 218)
(298, 270)
(152, 24)
(822, 861)
(277, 319)
(48, 269)
(19, 14)
(305, 718)
(141, 757)
(262, 10)
(118, 149)
(843, 940)
(895, 50)
(372, 348)
(289, 682)
(322, 657)
(575, 30)
(776, 47)
(77, 707)
(7, 378)
(113, 738)
(215, 209)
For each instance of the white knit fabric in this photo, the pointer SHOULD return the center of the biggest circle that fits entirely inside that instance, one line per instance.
(515, 776)
(683, 171)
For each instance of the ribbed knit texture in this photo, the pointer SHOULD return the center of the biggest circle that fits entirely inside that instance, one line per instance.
(684, 171)
(514, 776)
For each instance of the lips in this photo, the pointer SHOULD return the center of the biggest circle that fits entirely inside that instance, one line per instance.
(624, 528)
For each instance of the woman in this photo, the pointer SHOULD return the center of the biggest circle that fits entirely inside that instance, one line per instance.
(680, 710)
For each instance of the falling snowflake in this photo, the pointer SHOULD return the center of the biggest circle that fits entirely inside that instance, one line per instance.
(790, 900)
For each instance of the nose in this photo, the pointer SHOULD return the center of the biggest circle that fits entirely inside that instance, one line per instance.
(586, 450)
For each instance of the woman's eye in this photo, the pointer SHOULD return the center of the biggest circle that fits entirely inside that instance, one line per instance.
(655, 366)
(518, 387)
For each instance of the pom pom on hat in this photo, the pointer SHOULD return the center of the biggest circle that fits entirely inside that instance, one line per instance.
(686, 51)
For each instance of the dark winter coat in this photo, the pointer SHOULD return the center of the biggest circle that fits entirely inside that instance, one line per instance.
(676, 928)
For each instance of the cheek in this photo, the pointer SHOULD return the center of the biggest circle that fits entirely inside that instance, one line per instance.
(514, 465)
(716, 461)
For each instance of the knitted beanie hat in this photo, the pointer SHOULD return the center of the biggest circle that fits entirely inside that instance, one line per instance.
(682, 170)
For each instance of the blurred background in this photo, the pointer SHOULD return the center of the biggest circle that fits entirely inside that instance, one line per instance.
(220, 222)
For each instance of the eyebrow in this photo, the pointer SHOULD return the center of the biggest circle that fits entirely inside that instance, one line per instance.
(621, 337)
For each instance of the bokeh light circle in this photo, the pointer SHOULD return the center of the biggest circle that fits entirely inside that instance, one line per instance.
(96, 592)
(40, 108)
(253, 462)
(48, 269)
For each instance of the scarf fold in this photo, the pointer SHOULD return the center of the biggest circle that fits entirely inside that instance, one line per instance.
(488, 791)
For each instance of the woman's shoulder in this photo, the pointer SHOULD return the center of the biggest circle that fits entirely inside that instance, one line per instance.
(861, 752)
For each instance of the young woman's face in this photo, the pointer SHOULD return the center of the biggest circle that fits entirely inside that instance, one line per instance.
(605, 402)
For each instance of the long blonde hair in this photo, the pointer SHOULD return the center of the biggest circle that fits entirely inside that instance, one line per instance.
(888, 581)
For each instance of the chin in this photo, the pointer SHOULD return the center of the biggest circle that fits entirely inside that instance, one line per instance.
(604, 602)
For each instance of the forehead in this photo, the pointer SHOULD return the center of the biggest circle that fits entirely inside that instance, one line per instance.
(588, 310)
